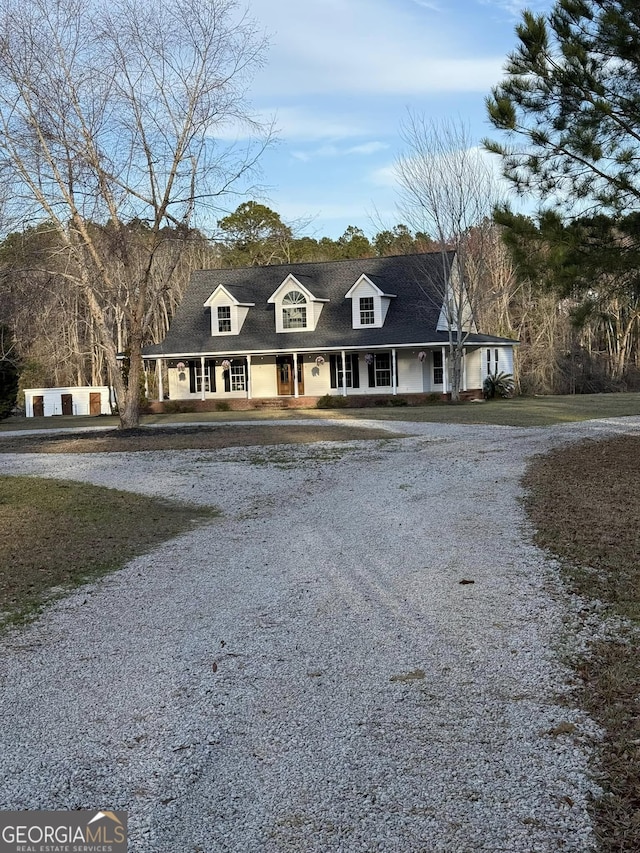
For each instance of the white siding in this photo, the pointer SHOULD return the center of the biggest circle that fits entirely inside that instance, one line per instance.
(475, 377)
(52, 399)
(414, 376)
(477, 363)
(179, 388)
(317, 378)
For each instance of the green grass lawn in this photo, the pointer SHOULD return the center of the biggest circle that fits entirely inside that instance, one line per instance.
(519, 411)
(57, 534)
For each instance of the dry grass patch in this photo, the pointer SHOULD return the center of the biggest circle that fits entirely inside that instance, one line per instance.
(584, 501)
(57, 534)
(187, 438)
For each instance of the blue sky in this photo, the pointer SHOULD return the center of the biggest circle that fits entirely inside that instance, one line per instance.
(341, 75)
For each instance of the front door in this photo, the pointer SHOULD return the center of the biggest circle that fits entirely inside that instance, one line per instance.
(67, 404)
(284, 368)
(38, 407)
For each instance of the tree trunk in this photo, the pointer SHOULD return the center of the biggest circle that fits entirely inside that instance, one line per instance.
(130, 412)
(455, 371)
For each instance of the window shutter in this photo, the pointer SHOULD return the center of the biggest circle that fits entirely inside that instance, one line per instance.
(192, 377)
(355, 370)
(227, 379)
(211, 364)
(333, 365)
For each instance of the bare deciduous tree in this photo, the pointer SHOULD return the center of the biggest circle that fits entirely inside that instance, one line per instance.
(113, 115)
(446, 189)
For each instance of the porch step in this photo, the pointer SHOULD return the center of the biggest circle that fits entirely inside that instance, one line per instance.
(274, 404)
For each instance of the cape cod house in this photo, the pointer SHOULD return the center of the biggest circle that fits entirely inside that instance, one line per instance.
(299, 331)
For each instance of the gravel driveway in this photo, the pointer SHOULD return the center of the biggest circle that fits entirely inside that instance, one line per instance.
(308, 673)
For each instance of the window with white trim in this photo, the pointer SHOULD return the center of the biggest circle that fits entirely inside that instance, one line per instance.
(238, 377)
(382, 365)
(438, 368)
(379, 369)
(199, 376)
(224, 318)
(294, 310)
(367, 313)
(492, 367)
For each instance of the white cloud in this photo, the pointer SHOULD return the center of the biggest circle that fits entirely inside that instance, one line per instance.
(364, 150)
(296, 125)
(385, 176)
(367, 148)
(314, 154)
(301, 124)
(515, 8)
(372, 47)
(380, 74)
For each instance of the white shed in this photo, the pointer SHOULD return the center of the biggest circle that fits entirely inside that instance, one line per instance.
(80, 400)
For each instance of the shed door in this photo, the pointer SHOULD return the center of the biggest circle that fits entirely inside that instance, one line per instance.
(95, 403)
(38, 407)
(67, 404)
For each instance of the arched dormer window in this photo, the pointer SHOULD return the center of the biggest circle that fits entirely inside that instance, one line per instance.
(294, 310)
(297, 309)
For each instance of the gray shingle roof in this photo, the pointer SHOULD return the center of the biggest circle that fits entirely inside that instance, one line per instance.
(415, 280)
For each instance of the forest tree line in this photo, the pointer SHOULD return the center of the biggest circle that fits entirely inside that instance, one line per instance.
(102, 179)
(575, 337)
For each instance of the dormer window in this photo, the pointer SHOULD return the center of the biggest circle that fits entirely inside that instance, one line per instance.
(224, 318)
(294, 310)
(369, 303)
(367, 313)
(227, 313)
(297, 308)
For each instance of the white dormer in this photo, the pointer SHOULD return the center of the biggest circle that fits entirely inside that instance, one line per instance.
(369, 304)
(227, 314)
(297, 309)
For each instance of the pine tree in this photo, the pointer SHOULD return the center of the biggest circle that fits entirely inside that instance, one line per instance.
(570, 106)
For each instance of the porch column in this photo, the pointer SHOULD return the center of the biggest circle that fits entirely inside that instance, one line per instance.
(159, 372)
(464, 368)
(202, 382)
(145, 368)
(343, 356)
(295, 375)
(394, 386)
(445, 369)
(248, 377)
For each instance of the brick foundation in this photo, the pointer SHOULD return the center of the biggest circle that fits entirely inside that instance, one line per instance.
(279, 403)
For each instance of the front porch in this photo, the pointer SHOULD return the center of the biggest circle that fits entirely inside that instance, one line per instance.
(242, 380)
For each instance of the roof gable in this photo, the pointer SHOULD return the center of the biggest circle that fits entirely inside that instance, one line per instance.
(364, 279)
(292, 283)
(221, 294)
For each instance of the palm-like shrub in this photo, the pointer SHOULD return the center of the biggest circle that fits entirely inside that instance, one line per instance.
(498, 385)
